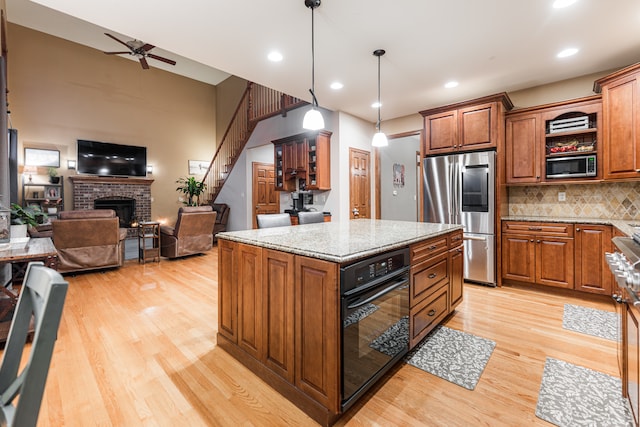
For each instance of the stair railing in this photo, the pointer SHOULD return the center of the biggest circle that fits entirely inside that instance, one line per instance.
(257, 103)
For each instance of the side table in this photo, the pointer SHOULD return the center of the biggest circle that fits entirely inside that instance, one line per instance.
(148, 241)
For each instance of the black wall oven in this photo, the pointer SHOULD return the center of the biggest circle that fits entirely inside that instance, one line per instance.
(375, 320)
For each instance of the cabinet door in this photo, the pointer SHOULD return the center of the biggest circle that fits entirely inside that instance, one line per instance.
(476, 129)
(554, 261)
(317, 331)
(523, 148)
(456, 276)
(227, 290)
(278, 311)
(633, 361)
(591, 271)
(278, 166)
(302, 152)
(441, 132)
(621, 128)
(518, 257)
(249, 259)
(319, 169)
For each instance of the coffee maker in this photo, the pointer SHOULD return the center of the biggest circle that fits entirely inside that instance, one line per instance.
(300, 200)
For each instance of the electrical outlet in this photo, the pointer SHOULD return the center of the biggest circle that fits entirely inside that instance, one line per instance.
(562, 196)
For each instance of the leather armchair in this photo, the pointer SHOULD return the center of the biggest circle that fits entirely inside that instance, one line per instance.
(88, 240)
(191, 234)
(222, 210)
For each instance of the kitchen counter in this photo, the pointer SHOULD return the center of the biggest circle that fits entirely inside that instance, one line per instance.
(623, 225)
(343, 241)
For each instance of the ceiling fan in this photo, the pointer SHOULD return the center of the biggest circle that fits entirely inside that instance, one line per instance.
(140, 50)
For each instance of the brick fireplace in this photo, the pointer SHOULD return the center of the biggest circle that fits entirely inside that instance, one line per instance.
(87, 189)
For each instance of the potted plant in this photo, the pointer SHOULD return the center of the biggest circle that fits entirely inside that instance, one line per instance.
(191, 188)
(53, 176)
(22, 218)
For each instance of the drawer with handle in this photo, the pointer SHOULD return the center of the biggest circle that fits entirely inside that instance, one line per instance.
(427, 276)
(427, 315)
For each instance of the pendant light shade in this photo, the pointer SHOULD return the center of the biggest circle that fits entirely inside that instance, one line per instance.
(379, 139)
(313, 118)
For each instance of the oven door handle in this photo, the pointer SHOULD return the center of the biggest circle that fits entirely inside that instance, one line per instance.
(399, 282)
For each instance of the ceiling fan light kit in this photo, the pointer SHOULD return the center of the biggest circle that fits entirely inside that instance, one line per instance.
(313, 119)
(140, 50)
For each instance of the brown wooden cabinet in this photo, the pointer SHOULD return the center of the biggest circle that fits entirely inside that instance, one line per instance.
(456, 270)
(250, 318)
(531, 138)
(317, 357)
(466, 126)
(539, 253)
(621, 109)
(306, 158)
(227, 290)
(592, 273)
(523, 149)
(436, 280)
(632, 357)
(278, 309)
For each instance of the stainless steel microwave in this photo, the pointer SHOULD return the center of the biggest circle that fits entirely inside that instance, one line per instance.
(571, 167)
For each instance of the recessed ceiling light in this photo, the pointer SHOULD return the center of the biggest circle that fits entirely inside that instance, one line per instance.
(336, 85)
(451, 84)
(275, 56)
(376, 104)
(567, 52)
(559, 4)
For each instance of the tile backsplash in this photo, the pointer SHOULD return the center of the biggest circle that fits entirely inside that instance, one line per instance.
(605, 200)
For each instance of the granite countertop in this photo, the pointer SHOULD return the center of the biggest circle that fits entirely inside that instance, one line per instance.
(343, 241)
(628, 227)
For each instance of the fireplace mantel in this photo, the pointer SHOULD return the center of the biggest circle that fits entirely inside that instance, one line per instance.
(92, 179)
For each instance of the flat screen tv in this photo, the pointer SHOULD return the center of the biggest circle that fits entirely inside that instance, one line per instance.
(107, 159)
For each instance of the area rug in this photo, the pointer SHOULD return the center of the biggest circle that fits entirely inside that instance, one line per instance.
(393, 340)
(571, 395)
(455, 356)
(359, 314)
(590, 321)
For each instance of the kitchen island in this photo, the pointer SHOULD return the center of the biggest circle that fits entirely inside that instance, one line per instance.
(279, 306)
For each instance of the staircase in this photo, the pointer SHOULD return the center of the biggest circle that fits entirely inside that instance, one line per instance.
(257, 103)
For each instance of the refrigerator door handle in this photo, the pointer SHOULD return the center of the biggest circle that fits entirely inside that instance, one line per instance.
(478, 238)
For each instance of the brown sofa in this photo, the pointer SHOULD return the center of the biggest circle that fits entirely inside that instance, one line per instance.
(191, 234)
(88, 240)
(222, 210)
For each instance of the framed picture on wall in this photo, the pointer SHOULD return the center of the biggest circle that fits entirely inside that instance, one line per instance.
(39, 157)
(198, 167)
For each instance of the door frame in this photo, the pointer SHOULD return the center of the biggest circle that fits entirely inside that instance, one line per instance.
(377, 173)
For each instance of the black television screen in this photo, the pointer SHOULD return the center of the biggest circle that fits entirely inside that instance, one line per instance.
(107, 159)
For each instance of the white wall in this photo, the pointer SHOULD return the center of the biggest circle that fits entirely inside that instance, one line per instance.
(399, 203)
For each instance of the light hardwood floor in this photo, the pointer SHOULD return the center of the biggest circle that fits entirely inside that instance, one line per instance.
(137, 346)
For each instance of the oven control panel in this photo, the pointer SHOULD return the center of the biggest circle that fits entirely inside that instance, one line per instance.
(371, 269)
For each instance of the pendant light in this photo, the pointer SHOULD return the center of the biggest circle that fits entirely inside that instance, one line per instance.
(313, 118)
(379, 138)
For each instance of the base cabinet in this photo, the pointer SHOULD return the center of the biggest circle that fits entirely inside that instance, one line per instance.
(538, 253)
(632, 357)
(592, 273)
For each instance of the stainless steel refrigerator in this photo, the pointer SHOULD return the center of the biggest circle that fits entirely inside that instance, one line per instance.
(459, 189)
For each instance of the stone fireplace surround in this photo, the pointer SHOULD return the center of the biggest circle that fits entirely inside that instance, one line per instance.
(87, 188)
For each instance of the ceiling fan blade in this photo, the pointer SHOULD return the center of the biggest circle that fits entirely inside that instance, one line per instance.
(117, 39)
(143, 62)
(116, 53)
(147, 47)
(160, 58)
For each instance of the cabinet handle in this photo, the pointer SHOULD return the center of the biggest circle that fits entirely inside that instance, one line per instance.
(432, 247)
(535, 228)
(531, 240)
(432, 275)
(537, 241)
(431, 313)
(459, 250)
(578, 230)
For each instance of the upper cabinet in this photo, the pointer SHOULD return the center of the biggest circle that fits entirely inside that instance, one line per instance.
(304, 158)
(621, 111)
(554, 142)
(466, 126)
